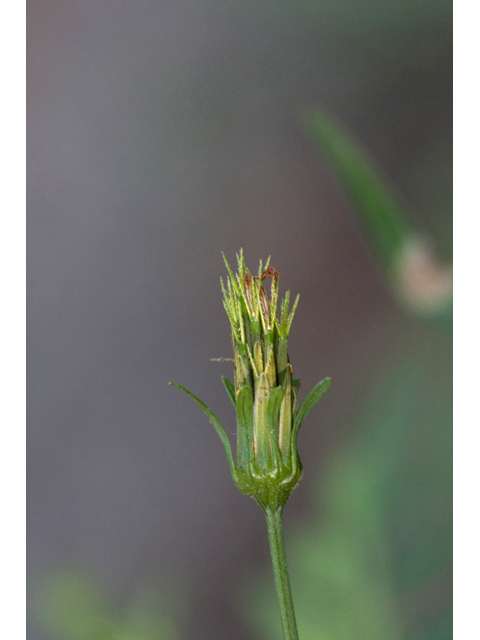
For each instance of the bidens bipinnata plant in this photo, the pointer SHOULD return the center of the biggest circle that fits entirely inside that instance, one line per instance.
(264, 393)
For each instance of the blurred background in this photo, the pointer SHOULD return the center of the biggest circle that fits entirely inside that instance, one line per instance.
(160, 134)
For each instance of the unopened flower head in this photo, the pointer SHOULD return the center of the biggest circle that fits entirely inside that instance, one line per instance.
(264, 392)
(261, 363)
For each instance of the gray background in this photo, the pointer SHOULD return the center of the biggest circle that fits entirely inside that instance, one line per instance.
(160, 134)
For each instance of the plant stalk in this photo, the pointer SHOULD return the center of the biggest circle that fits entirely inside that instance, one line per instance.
(280, 571)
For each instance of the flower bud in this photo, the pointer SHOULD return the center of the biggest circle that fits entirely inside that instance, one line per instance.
(271, 467)
(264, 393)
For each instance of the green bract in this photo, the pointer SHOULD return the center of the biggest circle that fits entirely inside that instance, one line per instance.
(264, 392)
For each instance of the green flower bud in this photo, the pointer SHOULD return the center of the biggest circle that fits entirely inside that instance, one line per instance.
(264, 392)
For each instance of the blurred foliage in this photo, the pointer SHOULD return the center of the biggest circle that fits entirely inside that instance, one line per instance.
(384, 218)
(420, 282)
(376, 560)
(70, 605)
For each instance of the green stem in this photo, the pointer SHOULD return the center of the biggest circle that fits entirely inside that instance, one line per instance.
(282, 581)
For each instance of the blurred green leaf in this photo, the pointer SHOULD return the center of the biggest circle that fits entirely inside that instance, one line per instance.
(384, 219)
(315, 395)
(71, 606)
(420, 282)
(230, 389)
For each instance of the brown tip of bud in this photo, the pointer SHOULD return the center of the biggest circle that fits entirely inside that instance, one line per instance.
(265, 307)
(270, 273)
(247, 279)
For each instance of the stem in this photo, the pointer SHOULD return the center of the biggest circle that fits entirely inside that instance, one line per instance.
(282, 581)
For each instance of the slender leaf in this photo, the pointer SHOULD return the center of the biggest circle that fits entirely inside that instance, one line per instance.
(274, 403)
(379, 208)
(310, 401)
(244, 426)
(230, 389)
(217, 425)
(261, 431)
(390, 228)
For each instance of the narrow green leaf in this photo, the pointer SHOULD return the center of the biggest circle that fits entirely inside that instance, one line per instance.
(296, 383)
(230, 389)
(285, 419)
(244, 409)
(389, 226)
(294, 401)
(232, 277)
(274, 403)
(261, 432)
(292, 313)
(282, 359)
(217, 425)
(307, 405)
(384, 217)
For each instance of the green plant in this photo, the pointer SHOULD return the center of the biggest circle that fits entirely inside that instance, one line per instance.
(264, 395)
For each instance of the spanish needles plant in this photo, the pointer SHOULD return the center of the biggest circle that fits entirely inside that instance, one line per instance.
(264, 395)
